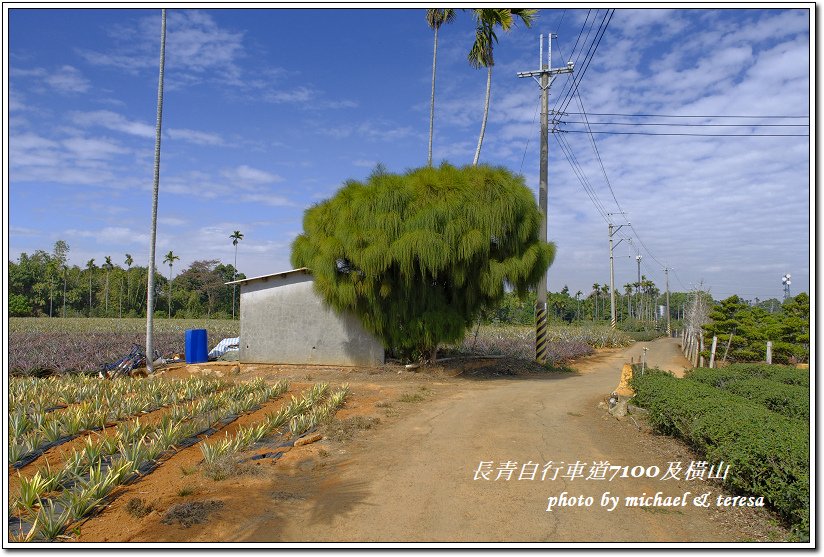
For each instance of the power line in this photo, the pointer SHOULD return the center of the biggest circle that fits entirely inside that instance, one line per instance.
(695, 134)
(602, 29)
(683, 125)
(579, 173)
(597, 153)
(523, 158)
(570, 85)
(681, 115)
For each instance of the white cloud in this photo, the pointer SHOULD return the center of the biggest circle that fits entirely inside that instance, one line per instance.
(91, 148)
(245, 175)
(197, 48)
(195, 136)
(65, 79)
(113, 121)
(68, 79)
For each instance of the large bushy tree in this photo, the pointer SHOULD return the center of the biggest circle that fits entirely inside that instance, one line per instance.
(416, 256)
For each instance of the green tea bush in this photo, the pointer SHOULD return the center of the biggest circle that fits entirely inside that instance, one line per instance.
(780, 374)
(768, 454)
(792, 401)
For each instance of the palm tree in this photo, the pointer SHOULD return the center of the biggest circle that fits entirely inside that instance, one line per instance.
(578, 299)
(170, 259)
(628, 294)
(108, 266)
(91, 267)
(595, 288)
(128, 262)
(61, 249)
(155, 188)
(481, 54)
(435, 18)
(236, 236)
(605, 295)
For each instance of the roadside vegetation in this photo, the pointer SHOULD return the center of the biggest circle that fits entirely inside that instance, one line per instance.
(746, 329)
(121, 445)
(753, 417)
(40, 346)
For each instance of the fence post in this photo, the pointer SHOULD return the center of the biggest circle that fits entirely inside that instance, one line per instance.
(712, 352)
(769, 352)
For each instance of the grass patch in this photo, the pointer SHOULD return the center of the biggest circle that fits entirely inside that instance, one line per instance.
(194, 512)
(344, 430)
(423, 393)
(138, 508)
(223, 467)
(186, 490)
(188, 470)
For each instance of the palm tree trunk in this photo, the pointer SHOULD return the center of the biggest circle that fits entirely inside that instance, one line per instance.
(155, 188)
(486, 115)
(170, 291)
(234, 286)
(432, 101)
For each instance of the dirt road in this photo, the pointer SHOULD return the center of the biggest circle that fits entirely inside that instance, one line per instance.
(414, 479)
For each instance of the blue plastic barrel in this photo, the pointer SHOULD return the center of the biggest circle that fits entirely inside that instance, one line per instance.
(196, 349)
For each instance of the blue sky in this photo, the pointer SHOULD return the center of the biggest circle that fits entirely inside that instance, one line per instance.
(267, 111)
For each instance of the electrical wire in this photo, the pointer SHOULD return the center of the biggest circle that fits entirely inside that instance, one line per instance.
(682, 115)
(694, 134)
(523, 158)
(602, 29)
(683, 125)
(579, 173)
(568, 83)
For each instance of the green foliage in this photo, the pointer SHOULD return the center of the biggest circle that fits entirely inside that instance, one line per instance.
(768, 454)
(417, 256)
(36, 284)
(19, 306)
(752, 326)
(784, 390)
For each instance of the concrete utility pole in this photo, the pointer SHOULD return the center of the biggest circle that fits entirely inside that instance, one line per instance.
(612, 319)
(638, 288)
(547, 75)
(669, 330)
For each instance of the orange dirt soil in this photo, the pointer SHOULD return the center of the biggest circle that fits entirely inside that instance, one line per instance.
(396, 464)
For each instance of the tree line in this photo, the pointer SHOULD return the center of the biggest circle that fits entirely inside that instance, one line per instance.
(42, 284)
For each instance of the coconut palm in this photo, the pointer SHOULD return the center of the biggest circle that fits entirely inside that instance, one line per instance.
(236, 236)
(129, 261)
(91, 267)
(170, 259)
(435, 18)
(628, 294)
(61, 250)
(578, 299)
(481, 54)
(155, 187)
(108, 267)
(595, 288)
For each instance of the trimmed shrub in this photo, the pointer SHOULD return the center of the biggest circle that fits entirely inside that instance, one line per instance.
(768, 454)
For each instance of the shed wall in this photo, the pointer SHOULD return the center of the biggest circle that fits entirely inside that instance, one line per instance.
(282, 320)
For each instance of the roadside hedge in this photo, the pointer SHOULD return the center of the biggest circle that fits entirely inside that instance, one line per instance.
(780, 374)
(768, 454)
(790, 400)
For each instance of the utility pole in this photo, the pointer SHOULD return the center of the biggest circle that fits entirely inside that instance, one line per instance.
(638, 288)
(669, 330)
(547, 75)
(612, 319)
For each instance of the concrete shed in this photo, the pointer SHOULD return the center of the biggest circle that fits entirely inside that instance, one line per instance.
(283, 321)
